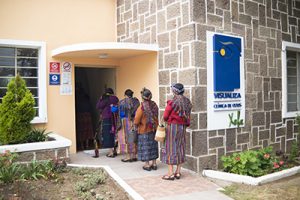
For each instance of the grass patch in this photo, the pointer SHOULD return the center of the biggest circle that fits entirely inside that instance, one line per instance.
(286, 189)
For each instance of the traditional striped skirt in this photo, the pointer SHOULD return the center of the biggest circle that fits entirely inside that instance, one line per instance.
(173, 149)
(124, 146)
(108, 137)
(147, 147)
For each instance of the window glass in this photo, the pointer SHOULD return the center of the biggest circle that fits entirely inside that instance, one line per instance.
(7, 71)
(5, 61)
(25, 52)
(292, 79)
(7, 51)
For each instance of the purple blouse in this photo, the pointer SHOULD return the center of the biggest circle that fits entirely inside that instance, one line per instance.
(104, 107)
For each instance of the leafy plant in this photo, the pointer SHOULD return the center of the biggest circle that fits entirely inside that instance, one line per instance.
(252, 163)
(9, 174)
(16, 112)
(32, 171)
(37, 135)
(9, 170)
(294, 151)
(236, 122)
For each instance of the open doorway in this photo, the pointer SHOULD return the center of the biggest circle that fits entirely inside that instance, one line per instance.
(90, 84)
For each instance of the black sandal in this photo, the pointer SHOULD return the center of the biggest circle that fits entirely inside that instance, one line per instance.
(169, 178)
(154, 167)
(126, 160)
(133, 160)
(147, 168)
(177, 175)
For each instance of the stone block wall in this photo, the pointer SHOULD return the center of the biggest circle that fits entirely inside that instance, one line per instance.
(179, 28)
(48, 154)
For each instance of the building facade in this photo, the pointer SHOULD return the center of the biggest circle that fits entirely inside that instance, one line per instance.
(155, 43)
(270, 32)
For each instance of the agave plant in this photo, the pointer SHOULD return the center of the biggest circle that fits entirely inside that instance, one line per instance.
(37, 135)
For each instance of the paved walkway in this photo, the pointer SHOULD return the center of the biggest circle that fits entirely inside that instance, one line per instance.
(149, 185)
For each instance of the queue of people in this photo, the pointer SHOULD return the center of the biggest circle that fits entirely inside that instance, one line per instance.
(131, 125)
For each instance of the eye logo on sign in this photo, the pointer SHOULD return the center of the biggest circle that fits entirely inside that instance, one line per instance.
(226, 59)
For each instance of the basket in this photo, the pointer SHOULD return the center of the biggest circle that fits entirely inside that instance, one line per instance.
(160, 133)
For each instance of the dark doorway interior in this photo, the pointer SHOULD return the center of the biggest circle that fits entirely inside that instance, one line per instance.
(90, 84)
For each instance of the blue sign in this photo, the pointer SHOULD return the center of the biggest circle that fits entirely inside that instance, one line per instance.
(54, 79)
(226, 59)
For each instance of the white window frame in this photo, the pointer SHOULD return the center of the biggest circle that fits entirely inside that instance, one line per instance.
(296, 48)
(42, 86)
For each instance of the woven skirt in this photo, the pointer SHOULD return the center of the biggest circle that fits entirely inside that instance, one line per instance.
(124, 146)
(147, 147)
(108, 137)
(173, 149)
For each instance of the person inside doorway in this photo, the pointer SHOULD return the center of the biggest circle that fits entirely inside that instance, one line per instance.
(107, 105)
(127, 109)
(84, 125)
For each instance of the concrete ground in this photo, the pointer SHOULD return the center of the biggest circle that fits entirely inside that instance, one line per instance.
(148, 184)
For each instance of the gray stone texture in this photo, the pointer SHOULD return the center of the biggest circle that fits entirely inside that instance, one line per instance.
(191, 163)
(199, 143)
(179, 28)
(198, 12)
(207, 162)
(230, 140)
(186, 33)
(216, 142)
(188, 76)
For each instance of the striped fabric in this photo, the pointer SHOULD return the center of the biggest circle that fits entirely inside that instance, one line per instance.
(147, 147)
(173, 149)
(124, 147)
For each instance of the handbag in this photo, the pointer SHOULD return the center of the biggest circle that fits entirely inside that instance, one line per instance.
(160, 134)
(132, 136)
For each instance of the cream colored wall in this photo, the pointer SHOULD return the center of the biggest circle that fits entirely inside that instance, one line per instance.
(136, 73)
(59, 23)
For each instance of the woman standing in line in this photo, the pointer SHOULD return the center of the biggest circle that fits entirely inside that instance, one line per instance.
(127, 109)
(106, 105)
(177, 115)
(146, 120)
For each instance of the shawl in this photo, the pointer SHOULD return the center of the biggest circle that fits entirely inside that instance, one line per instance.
(150, 109)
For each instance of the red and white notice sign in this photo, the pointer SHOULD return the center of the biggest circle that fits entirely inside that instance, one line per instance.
(54, 67)
(67, 67)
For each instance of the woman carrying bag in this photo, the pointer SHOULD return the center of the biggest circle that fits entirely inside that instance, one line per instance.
(177, 116)
(146, 121)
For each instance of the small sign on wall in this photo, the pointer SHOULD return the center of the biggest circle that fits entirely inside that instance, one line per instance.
(54, 79)
(66, 76)
(225, 81)
(54, 67)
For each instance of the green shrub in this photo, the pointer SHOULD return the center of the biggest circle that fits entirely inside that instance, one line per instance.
(252, 163)
(37, 135)
(32, 171)
(16, 112)
(9, 170)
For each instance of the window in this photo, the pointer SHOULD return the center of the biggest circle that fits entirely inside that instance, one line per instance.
(29, 60)
(290, 79)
